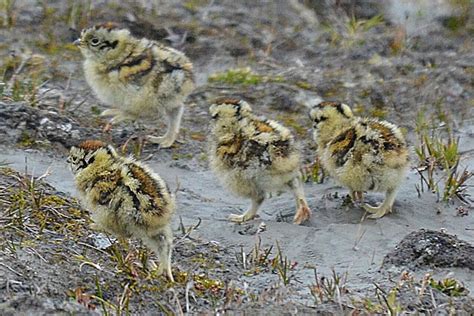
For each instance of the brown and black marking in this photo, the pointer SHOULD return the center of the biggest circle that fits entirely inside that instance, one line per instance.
(329, 103)
(236, 103)
(167, 68)
(226, 100)
(333, 104)
(241, 152)
(253, 150)
(106, 184)
(227, 150)
(149, 187)
(135, 67)
(88, 146)
(281, 148)
(263, 127)
(389, 140)
(109, 26)
(342, 144)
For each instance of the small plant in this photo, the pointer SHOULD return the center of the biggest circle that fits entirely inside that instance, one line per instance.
(7, 9)
(258, 260)
(243, 76)
(21, 77)
(456, 184)
(329, 289)
(78, 13)
(282, 266)
(259, 257)
(313, 172)
(350, 33)
(389, 301)
(398, 43)
(355, 26)
(194, 5)
(438, 152)
(82, 298)
(448, 286)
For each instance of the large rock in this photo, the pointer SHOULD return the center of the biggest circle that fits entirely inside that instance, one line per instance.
(433, 249)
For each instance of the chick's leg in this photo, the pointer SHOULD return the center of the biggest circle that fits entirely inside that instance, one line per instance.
(250, 213)
(384, 208)
(117, 116)
(161, 243)
(174, 122)
(303, 212)
(357, 197)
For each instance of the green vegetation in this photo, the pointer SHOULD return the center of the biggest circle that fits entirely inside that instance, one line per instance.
(292, 121)
(449, 286)
(78, 13)
(194, 5)
(51, 43)
(459, 21)
(259, 260)
(439, 157)
(378, 112)
(21, 76)
(242, 76)
(7, 13)
(329, 289)
(314, 172)
(356, 26)
(351, 33)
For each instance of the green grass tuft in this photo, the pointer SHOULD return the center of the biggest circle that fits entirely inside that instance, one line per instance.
(242, 76)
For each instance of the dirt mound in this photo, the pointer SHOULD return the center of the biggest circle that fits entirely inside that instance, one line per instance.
(433, 249)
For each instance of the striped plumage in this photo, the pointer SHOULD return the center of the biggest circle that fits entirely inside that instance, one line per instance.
(139, 78)
(362, 154)
(254, 156)
(124, 196)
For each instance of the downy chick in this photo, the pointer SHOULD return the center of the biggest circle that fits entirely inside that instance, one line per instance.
(254, 156)
(141, 79)
(125, 197)
(362, 154)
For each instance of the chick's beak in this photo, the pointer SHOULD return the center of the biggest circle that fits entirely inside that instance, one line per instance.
(77, 42)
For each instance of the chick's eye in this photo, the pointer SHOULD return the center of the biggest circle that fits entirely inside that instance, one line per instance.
(95, 41)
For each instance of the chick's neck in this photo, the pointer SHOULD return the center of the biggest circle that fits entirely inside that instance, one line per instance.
(328, 130)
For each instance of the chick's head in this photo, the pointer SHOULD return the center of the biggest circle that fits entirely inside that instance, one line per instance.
(329, 117)
(86, 153)
(227, 113)
(102, 42)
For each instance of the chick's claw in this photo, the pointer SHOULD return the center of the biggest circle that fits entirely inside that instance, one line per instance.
(302, 215)
(376, 212)
(240, 218)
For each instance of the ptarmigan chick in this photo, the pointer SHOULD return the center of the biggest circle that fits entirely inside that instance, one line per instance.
(254, 156)
(141, 79)
(362, 154)
(125, 197)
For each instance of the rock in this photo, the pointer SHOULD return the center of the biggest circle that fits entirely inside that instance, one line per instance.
(432, 249)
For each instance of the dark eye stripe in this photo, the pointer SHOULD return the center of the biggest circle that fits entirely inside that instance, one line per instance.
(321, 119)
(108, 44)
